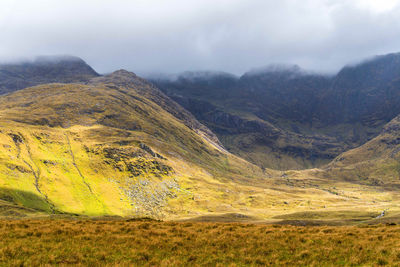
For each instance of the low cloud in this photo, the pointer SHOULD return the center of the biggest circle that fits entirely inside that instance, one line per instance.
(177, 35)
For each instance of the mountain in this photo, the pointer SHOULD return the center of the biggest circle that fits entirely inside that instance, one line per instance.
(283, 117)
(375, 163)
(367, 93)
(115, 145)
(44, 69)
(263, 116)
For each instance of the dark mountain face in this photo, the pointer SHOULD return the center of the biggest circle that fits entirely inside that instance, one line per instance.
(64, 69)
(284, 117)
(367, 93)
(200, 85)
(285, 94)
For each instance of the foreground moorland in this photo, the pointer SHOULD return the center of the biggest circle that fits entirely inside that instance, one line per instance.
(147, 242)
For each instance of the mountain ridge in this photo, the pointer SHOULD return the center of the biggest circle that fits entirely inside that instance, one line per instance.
(117, 145)
(109, 147)
(278, 117)
(298, 103)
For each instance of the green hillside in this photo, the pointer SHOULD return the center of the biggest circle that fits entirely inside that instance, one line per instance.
(108, 147)
(116, 145)
(375, 163)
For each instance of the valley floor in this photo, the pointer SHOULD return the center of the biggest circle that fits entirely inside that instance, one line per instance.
(33, 242)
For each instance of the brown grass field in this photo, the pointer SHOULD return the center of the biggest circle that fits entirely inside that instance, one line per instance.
(151, 243)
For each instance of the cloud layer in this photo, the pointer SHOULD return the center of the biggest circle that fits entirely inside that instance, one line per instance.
(176, 35)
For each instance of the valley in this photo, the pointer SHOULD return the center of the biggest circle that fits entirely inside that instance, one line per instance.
(116, 145)
(199, 133)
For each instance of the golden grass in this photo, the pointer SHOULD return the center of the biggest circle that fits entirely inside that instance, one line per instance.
(152, 243)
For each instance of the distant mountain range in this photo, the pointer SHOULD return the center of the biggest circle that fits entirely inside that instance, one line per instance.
(283, 117)
(274, 141)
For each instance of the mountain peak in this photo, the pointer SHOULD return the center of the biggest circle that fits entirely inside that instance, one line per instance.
(44, 69)
(57, 59)
(121, 78)
(123, 72)
(388, 59)
(373, 72)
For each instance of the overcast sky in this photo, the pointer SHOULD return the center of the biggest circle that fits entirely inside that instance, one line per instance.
(177, 35)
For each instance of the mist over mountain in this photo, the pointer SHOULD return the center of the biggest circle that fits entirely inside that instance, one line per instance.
(43, 69)
(199, 133)
(177, 35)
(283, 117)
(279, 116)
(189, 136)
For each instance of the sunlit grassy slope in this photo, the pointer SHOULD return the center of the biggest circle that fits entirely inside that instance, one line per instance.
(118, 146)
(375, 163)
(94, 149)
